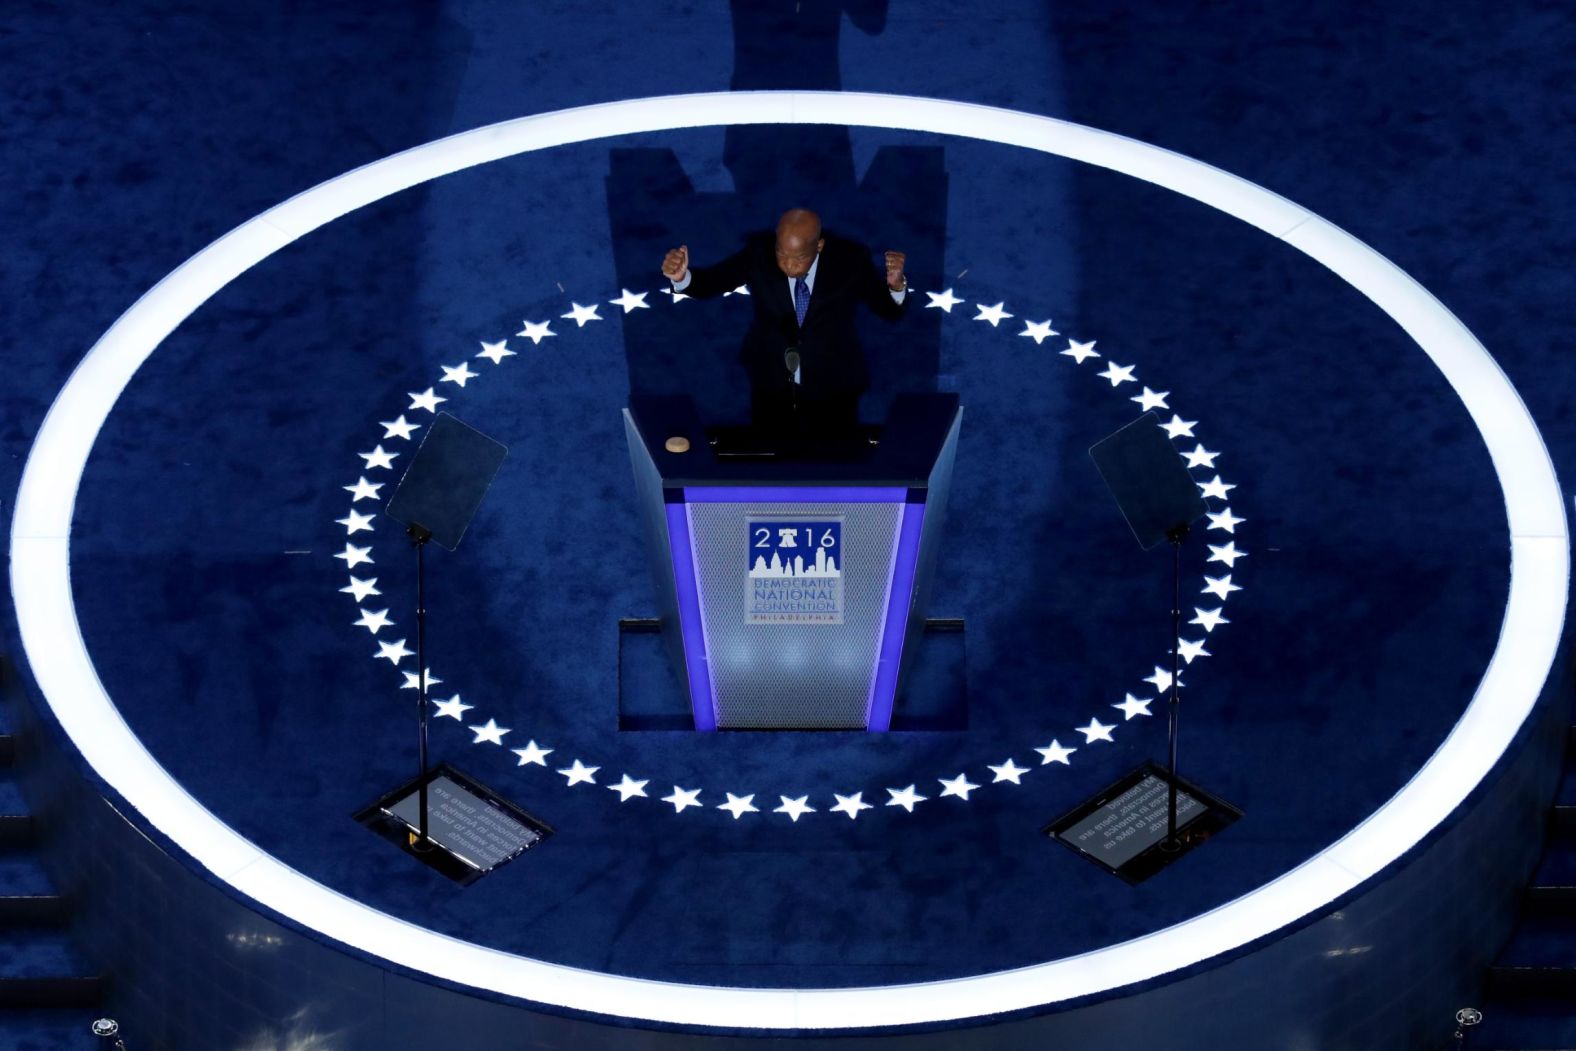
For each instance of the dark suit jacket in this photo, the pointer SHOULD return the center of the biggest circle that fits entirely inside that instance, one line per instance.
(832, 364)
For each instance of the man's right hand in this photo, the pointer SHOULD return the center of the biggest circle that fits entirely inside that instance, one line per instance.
(676, 264)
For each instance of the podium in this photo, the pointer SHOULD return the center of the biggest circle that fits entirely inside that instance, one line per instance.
(793, 588)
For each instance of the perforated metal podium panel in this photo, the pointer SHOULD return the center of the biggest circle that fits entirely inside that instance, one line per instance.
(813, 673)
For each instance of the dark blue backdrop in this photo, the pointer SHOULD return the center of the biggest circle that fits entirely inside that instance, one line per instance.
(1377, 549)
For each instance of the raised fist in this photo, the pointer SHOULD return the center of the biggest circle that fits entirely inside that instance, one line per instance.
(894, 271)
(676, 264)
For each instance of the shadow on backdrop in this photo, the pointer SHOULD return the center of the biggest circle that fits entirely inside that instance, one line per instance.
(126, 179)
(900, 204)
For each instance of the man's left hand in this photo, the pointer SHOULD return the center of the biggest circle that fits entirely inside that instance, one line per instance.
(894, 271)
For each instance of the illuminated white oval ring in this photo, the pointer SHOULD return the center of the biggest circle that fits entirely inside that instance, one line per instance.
(1534, 614)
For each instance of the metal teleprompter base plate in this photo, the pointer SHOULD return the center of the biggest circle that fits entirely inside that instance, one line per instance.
(471, 830)
(1123, 828)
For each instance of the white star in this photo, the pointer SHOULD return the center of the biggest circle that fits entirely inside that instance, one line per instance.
(678, 297)
(1132, 706)
(378, 458)
(1178, 427)
(453, 708)
(682, 797)
(995, 315)
(413, 680)
(1151, 400)
(1227, 554)
(1008, 771)
(1219, 586)
(1208, 618)
(1055, 752)
(393, 652)
(628, 788)
(580, 315)
(532, 754)
(742, 290)
(1225, 520)
(354, 555)
(400, 428)
(363, 490)
(490, 732)
(579, 773)
(959, 786)
(1080, 352)
(1215, 487)
(945, 300)
(631, 301)
(1039, 331)
(360, 589)
(426, 399)
(1095, 731)
(794, 808)
(1190, 648)
(458, 374)
(355, 522)
(738, 806)
(1118, 374)
(373, 622)
(1161, 680)
(536, 331)
(850, 805)
(495, 352)
(905, 798)
(1201, 457)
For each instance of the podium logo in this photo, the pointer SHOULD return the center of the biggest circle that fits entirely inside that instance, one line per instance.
(795, 571)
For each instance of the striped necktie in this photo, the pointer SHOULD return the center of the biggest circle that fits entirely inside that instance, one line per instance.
(801, 300)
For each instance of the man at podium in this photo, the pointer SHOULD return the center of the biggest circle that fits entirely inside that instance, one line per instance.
(801, 352)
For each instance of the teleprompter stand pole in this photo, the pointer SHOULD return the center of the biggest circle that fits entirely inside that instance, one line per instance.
(436, 499)
(419, 536)
(1175, 535)
(1161, 501)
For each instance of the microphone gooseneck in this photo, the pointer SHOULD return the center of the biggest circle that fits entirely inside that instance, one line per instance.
(791, 360)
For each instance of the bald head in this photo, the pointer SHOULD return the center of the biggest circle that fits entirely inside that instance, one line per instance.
(799, 241)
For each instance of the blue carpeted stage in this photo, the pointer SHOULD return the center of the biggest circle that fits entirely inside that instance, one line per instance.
(247, 611)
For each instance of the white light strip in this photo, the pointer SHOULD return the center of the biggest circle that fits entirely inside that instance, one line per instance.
(1534, 617)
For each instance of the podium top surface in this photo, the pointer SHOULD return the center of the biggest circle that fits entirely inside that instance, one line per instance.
(903, 455)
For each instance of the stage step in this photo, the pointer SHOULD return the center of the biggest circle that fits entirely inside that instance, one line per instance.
(27, 898)
(1552, 890)
(60, 1029)
(1542, 942)
(16, 824)
(1525, 1025)
(1530, 991)
(40, 970)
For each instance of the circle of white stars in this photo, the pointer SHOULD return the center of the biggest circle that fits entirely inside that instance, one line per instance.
(378, 469)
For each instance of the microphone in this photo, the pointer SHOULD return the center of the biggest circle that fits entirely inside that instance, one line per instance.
(791, 360)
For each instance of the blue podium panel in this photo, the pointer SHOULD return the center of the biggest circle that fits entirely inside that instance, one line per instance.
(793, 589)
(797, 645)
